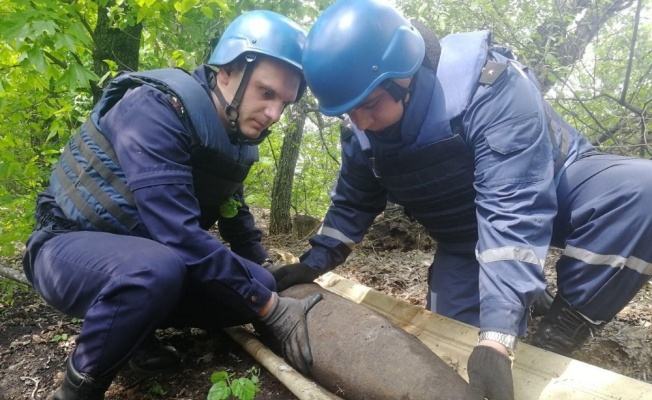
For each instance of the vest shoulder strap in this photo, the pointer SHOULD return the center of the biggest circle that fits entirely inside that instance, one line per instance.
(196, 103)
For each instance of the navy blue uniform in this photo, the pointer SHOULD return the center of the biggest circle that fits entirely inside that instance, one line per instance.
(166, 269)
(496, 177)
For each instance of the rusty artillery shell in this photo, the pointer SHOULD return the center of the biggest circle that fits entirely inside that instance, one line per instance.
(359, 354)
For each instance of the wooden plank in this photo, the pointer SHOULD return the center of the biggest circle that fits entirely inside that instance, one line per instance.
(538, 374)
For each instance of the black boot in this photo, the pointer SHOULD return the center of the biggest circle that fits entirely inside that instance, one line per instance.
(563, 330)
(155, 358)
(80, 386)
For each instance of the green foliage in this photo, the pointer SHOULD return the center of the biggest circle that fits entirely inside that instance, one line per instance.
(45, 55)
(595, 97)
(229, 207)
(59, 338)
(8, 290)
(21, 175)
(314, 175)
(156, 389)
(224, 386)
(316, 171)
(50, 44)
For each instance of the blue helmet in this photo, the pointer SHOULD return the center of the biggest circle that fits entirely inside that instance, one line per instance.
(353, 47)
(261, 32)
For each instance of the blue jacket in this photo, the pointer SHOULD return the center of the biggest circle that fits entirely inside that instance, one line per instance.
(169, 177)
(475, 160)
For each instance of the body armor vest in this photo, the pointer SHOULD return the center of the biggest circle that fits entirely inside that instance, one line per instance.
(90, 186)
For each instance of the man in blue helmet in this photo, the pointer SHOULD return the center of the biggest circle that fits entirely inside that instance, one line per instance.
(122, 236)
(457, 132)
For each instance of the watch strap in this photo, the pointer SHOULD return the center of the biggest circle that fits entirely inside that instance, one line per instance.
(509, 341)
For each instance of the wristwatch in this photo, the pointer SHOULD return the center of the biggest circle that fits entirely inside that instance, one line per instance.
(506, 340)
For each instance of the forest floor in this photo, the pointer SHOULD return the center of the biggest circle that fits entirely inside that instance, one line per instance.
(394, 258)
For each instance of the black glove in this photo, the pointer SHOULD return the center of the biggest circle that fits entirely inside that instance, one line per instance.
(287, 321)
(292, 274)
(490, 375)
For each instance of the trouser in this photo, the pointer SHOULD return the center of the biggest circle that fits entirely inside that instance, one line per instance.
(604, 228)
(124, 288)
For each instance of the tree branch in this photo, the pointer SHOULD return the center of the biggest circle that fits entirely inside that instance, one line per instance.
(14, 275)
(632, 47)
(55, 60)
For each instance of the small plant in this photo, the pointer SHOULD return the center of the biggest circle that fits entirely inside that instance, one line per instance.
(242, 388)
(7, 288)
(60, 338)
(156, 389)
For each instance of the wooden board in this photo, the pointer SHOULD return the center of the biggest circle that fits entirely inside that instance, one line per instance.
(538, 374)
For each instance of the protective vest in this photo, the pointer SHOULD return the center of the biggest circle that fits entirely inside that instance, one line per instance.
(90, 186)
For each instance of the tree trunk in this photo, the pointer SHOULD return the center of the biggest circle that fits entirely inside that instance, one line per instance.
(280, 222)
(119, 46)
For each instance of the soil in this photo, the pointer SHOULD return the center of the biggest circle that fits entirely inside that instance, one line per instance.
(394, 258)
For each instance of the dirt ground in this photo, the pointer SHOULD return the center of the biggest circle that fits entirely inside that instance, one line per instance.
(394, 258)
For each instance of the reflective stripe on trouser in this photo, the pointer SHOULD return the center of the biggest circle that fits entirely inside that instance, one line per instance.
(606, 227)
(453, 281)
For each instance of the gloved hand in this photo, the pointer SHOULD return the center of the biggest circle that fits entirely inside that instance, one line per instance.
(287, 321)
(292, 274)
(490, 375)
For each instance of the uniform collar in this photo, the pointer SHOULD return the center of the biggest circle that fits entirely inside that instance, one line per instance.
(417, 107)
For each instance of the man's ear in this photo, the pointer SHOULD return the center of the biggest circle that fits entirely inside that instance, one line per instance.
(224, 74)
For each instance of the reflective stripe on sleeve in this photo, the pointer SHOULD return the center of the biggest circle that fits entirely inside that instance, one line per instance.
(613, 260)
(335, 234)
(510, 253)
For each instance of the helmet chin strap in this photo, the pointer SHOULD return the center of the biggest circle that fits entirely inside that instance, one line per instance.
(398, 92)
(231, 109)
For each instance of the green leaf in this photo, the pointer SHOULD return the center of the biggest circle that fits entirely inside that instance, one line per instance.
(184, 6)
(219, 391)
(77, 76)
(78, 32)
(208, 12)
(36, 57)
(244, 389)
(157, 389)
(145, 3)
(219, 376)
(37, 28)
(63, 40)
(229, 207)
(13, 28)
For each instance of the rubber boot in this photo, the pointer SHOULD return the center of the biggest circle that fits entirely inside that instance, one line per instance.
(155, 358)
(563, 330)
(80, 386)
